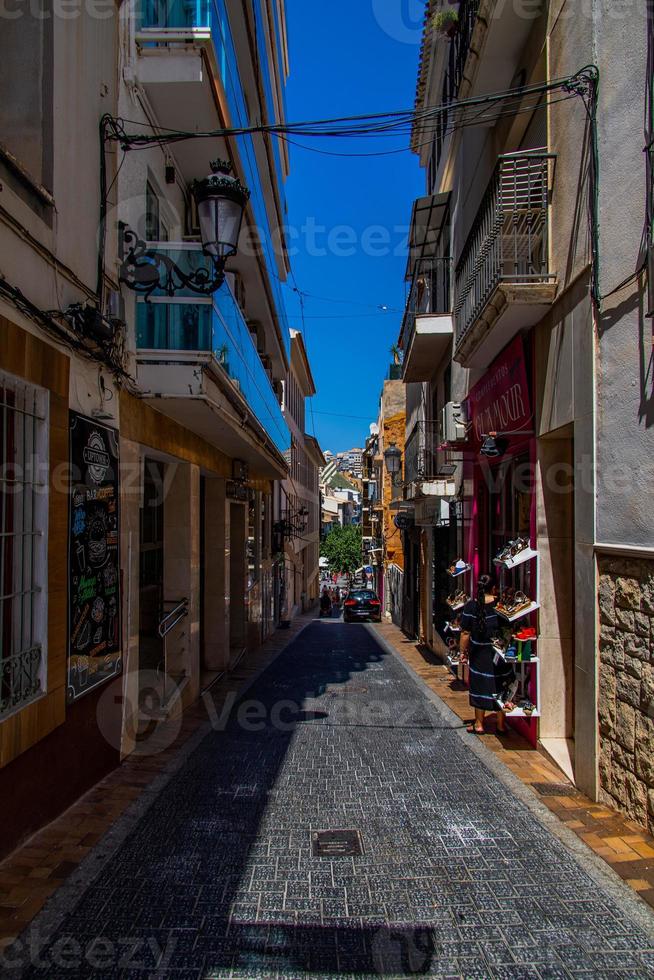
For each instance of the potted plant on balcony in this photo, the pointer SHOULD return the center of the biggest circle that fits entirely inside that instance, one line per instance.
(446, 21)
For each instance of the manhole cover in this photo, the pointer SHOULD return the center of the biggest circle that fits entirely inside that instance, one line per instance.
(336, 843)
(555, 789)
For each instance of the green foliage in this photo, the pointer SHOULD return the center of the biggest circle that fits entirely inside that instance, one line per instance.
(342, 548)
(446, 21)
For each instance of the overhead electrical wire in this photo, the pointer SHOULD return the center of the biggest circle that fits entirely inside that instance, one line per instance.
(402, 122)
(347, 302)
(451, 128)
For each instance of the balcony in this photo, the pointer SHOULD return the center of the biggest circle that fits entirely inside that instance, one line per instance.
(453, 60)
(189, 70)
(459, 48)
(429, 469)
(197, 358)
(427, 328)
(503, 283)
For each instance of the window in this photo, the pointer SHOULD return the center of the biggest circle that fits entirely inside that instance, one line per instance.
(152, 217)
(26, 98)
(254, 539)
(23, 542)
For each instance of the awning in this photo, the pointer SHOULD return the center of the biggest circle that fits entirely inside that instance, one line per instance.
(428, 218)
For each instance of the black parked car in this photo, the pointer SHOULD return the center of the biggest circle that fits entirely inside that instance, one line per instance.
(362, 604)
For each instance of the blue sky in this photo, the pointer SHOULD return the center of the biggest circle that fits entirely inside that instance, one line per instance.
(349, 58)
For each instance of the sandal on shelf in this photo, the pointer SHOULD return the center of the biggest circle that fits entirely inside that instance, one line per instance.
(504, 553)
(520, 544)
(528, 633)
(521, 601)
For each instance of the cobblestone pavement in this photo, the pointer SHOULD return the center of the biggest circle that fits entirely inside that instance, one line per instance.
(459, 876)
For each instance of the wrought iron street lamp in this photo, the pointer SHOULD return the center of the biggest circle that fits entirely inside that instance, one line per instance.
(221, 200)
(294, 523)
(393, 463)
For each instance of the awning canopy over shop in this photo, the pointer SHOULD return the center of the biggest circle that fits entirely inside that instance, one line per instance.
(428, 219)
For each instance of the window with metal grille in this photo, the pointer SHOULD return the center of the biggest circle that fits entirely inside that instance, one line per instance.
(23, 542)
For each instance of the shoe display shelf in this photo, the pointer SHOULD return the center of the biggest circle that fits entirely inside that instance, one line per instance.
(460, 571)
(516, 569)
(528, 673)
(455, 631)
(467, 571)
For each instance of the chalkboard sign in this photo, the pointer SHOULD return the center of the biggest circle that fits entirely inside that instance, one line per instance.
(94, 653)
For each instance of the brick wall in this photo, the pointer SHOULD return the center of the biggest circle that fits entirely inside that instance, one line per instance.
(626, 687)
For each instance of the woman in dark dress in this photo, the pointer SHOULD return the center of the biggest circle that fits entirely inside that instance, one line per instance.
(486, 679)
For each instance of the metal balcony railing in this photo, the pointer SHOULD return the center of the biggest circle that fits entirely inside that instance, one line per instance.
(459, 46)
(424, 459)
(430, 292)
(20, 678)
(508, 240)
(216, 327)
(158, 22)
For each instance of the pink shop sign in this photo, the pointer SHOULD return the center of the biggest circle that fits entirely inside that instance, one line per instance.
(500, 402)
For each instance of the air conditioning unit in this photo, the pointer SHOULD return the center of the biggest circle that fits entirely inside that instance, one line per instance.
(455, 423)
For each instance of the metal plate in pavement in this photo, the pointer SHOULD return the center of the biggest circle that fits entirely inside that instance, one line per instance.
(336, 843)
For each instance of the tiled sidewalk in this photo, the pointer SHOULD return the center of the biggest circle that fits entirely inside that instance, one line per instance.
(618, 841)
(35, 870)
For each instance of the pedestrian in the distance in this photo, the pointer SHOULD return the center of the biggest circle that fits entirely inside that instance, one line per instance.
(325, 602)
(486, 678)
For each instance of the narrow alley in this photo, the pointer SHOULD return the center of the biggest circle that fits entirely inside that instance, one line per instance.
(460, 872)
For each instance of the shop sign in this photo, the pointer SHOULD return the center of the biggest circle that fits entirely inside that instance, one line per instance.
(500, 402)
(94, 653)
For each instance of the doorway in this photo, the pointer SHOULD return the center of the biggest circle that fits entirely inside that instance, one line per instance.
(557, 614)
(237, 581)
(151, 566)
(411, 605)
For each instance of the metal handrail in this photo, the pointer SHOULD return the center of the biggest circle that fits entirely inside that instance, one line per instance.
(425, 457)
(180, 611)
(430, 292)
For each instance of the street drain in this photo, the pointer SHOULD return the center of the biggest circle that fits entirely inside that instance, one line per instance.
(336, 843)
(555, 789)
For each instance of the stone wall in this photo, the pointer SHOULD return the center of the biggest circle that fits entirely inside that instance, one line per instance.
(626, 687)
(394, 431)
